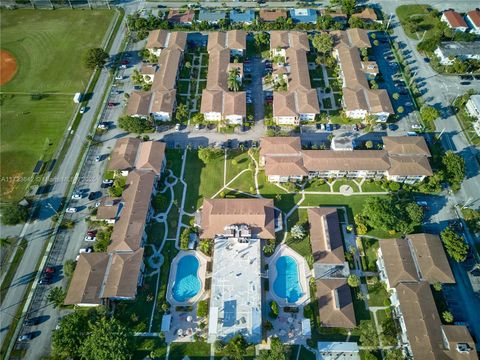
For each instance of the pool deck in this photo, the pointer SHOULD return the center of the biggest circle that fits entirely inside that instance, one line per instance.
(304, 275)
(201, 274)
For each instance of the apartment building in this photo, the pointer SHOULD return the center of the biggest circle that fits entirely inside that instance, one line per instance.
(403, 159)
(448, 51)
(473, 19)
(219, 104)
(160, 102)
(473, 109)
(330, 269)
(454, 20)
(299, 102)
(116, 273)
(408, 266)
(359, 101)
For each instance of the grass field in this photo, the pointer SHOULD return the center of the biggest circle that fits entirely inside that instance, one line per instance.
(48, 46)
(422, 16)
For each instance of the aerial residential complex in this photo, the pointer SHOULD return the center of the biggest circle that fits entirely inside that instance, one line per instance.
(359, 100)
(116, 274)
(299, 102)
(409, 266)
(248, 181)
(219, 104)
(160, 101)
(402, 159)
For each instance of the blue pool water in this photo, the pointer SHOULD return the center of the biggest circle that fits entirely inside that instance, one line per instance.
(187, 283)
(287, 284)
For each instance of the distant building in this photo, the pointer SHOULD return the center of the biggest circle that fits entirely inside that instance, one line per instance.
(305, 16)
(448, 51)
(211, 17)
(272, 15)
(404, 159)
(338, 350)
(180, 17)
(368, 15)
(336, 15)
(243, 17)
(473, 109)
(454, 20)
(473, 19)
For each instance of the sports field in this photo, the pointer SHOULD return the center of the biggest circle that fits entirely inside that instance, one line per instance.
(48, 47)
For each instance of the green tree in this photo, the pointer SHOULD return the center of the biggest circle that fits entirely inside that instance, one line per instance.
(297, 232)
(389, 331)
(206, 246)
(109, 339)
(57, 296)
(400, 109)
(369, 144)
(208, 154)
(353, 281)
(233, 82)
(323, 43)
(277, 351)
(103, 239)
(367, 355)
(69, 268)
(447, 317)
(14, 214)
(415, 213)
(71, 333)
(202, 308)
(274, 309)
(181, 114)
(236, 348)
(394, 354)
(429, 113)
(454, 244)
(437, 285)
(95, 57)
(184, 238)
(454, 169)
(348, 6)
(368, 333)
(135, 124)
(396, 96)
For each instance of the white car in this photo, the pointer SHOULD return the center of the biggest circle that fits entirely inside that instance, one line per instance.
(177, 127)
(83, 109)
(197, 127)
(76, 196)
(417, 127)
(71, 210)
(123, 66)
(85, 250)
(119, 77)
(90, 238)
(98, 158)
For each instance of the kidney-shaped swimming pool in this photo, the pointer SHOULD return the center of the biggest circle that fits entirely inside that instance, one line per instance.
(287, 283)
(187, 282)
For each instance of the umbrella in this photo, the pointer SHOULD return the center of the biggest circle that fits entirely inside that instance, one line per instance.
(189, 318)
(190, 331)
(282, 332)
(179, 332)
(290, 320)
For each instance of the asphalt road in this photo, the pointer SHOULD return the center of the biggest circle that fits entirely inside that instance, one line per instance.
(37, 233)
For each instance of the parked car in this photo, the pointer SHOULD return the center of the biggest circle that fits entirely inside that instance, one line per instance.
(177, 127)
(31, 321)
(417, 127)
(98, 158)
(426, 59)
(329, 127)
(83, 109)
(25, 337)
(111, 104)
(92, 195)
(119, 77)
(108, 182)
(71, 210)
(86, 250)
(197, 127)
(77, 195)
(49, 270)
(103, 126)
(91, 232)
(89, 238)
(465, 82)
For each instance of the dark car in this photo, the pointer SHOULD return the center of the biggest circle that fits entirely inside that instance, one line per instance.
(329, 127)
(31, 322)
(465, 82)
(426, 59)
(91, 196)
(45, 280)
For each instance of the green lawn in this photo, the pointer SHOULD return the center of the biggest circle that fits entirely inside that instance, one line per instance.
(242, 160)
(203, 180)
(370, 247)
(182, 86)
(244, 183)
(48, 46)
(372, 186)
(317, 185)
(327, 103)
(378, 294)
(196, 350)
(341, 182)
(423, 17)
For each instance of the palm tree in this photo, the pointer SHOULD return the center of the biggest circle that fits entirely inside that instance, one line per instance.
(233, 82)
(57, 296)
